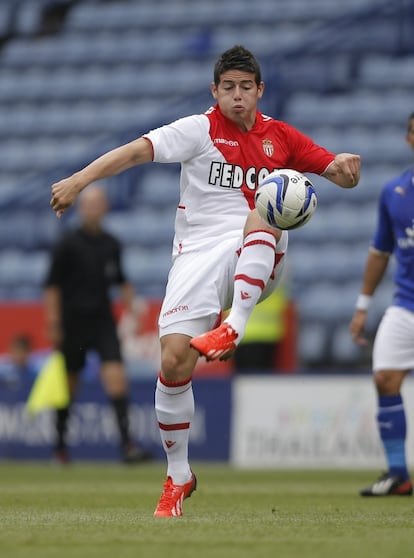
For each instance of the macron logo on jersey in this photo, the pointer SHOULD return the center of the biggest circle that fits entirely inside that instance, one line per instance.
(230, 143)
(227, 175)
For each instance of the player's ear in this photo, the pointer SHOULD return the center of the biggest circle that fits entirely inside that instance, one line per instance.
(409, 138)
(213, 89)
(260, 89)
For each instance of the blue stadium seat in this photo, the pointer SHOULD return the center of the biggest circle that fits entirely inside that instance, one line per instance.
(338, 262)
(341, 222)
(147, 269)
(13, 269)
(143, 226)
(386, 72)
(20, 52)
(313, 343)
(260, 38)
(22, 269)
(326, 302)
(46, 231)
(5, 19)
(17, 230)
(159, 188)
(23, 293)
(345, 351)
(37, 264)
(28, 17)
(362, 107)
(28, 230)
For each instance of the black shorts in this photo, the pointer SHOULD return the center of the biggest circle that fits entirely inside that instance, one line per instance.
(81, 335)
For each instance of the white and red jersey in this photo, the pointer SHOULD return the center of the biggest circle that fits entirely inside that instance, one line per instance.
(221, 167)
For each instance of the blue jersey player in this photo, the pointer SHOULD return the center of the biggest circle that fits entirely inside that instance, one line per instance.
(393, 350)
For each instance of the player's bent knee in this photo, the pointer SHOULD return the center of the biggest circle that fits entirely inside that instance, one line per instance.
(177, 366)
(388, 382)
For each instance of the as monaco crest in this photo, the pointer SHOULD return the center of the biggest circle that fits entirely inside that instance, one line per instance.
(268, 147)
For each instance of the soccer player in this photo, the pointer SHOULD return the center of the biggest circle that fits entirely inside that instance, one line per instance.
(393, 350)
(224, 255)
(85, 264)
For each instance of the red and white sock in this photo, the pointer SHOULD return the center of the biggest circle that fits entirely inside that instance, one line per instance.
(174, 407)
(253, 270)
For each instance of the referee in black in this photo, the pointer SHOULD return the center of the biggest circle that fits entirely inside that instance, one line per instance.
(85, 264)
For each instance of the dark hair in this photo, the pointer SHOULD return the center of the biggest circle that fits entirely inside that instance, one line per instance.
(410, 122)
(237, 58)
(22, 341)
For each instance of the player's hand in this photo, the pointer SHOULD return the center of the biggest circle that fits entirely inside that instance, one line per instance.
(357, 327)
(64, 194)
(344, 170)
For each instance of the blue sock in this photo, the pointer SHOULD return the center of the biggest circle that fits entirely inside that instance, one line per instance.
(393, 429)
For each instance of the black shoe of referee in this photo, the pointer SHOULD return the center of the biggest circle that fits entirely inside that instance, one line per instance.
(132, 454)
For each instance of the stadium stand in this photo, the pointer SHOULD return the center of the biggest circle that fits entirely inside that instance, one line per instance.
(79, 77)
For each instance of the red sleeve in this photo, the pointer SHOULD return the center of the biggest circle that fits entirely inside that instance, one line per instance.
(305, 155)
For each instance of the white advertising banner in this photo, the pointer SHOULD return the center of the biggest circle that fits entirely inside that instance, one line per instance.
(310, 422)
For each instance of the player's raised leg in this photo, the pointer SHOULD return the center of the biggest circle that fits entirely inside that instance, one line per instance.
(253, 271)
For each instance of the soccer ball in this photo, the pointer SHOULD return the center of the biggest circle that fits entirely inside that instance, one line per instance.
(286, 199)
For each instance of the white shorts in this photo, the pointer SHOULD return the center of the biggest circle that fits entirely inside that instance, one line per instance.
(394, 342)
(200, 286)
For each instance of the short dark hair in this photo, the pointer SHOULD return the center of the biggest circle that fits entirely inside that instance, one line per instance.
(410, 122)
(237, 58)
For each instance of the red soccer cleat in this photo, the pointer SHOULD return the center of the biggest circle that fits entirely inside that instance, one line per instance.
(217, 343)
(172, 497)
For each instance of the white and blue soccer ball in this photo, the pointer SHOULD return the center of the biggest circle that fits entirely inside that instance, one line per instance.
(286, 199)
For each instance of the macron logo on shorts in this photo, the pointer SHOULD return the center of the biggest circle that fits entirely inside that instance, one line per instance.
(181, 308)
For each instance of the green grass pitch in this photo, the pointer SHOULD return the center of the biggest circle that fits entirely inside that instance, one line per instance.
(105, 511)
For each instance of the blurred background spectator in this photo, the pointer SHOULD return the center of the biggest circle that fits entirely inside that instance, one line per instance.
(20, 363)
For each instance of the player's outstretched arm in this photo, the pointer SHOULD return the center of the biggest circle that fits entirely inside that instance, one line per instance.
(65, 192)
(344, 170)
